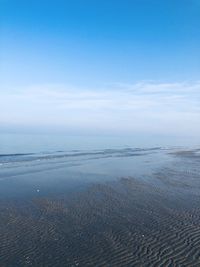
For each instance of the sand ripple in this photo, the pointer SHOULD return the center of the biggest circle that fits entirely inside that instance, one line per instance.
(126, 223)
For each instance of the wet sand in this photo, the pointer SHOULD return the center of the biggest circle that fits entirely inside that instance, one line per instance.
(128, 222)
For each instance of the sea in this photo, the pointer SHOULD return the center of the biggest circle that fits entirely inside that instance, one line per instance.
(33, 165)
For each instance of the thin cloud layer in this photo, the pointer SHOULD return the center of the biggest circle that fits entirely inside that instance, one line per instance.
(170, 108)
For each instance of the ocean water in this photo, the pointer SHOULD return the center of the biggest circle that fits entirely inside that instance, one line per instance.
(40, 165)
(32, 143)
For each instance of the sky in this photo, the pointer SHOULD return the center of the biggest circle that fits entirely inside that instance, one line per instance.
(87, 67)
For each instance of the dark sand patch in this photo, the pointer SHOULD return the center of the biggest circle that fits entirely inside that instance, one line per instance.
(105, 226)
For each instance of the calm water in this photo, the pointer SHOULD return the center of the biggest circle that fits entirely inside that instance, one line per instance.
(28, 143)
(33, 165)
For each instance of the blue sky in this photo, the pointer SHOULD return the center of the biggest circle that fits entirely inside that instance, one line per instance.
(126, 66)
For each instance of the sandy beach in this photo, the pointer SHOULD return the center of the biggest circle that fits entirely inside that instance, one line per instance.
(126, 222)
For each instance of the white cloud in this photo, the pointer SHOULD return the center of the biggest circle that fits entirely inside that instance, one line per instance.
(172, 108)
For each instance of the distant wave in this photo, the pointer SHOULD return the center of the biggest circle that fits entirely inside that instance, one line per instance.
(16, 154)
(124, 152)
